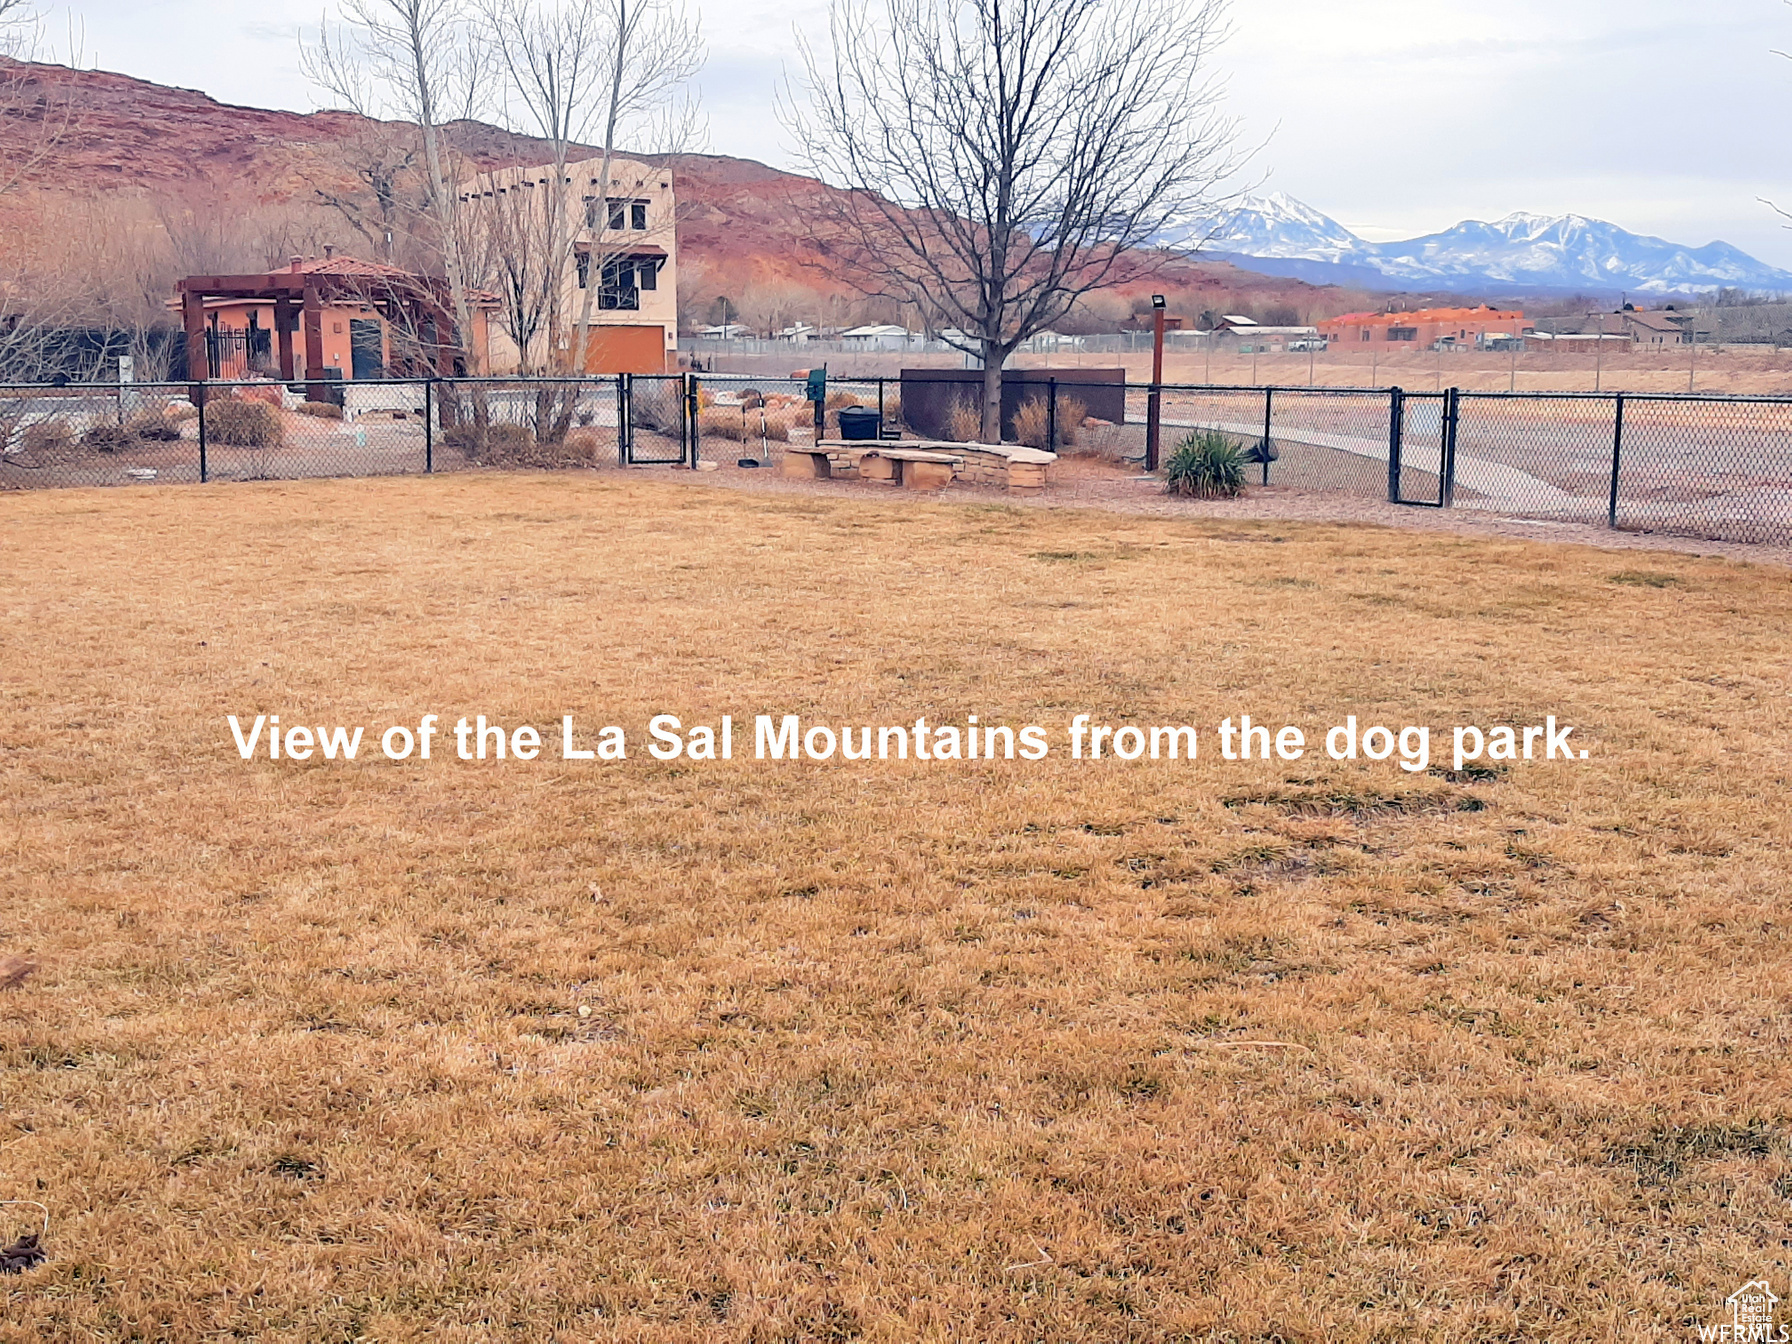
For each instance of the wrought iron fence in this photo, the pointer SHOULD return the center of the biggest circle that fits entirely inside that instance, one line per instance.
(1701, 465)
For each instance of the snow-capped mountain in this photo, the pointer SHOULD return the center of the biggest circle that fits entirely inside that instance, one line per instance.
(1520, 251)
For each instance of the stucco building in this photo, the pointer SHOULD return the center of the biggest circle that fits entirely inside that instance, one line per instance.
(1423, 328)
(625, 246)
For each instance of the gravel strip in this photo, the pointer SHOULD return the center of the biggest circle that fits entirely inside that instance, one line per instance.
(1091, 484)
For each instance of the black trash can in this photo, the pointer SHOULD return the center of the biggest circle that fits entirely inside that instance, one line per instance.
(859, 422)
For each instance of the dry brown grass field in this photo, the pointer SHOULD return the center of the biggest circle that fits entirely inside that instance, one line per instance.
(755, 1050)
(1731, 370)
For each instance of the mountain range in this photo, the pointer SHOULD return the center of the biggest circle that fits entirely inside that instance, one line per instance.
(1522, 252)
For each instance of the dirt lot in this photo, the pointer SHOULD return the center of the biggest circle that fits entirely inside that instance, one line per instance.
(760, 1050)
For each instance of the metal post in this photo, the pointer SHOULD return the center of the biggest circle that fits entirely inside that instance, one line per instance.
(880, 405)
(1269, 396)
(1154, 399)
(199, 391)
(1051, 415)
(1446, 489)
(1396, 431)
(692, 417)
(1611, 508)
(622, 426)
(429, 425)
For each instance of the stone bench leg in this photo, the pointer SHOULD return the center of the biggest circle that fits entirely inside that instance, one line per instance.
(805, 466)
(926, 475)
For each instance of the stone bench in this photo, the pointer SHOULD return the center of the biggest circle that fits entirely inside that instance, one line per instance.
(912, 468)
(1020, 470)
(835, 459)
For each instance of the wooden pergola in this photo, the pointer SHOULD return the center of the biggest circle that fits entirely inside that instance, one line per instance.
(407, 300)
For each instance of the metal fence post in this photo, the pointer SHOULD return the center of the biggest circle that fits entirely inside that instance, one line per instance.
(1611, 508)
(203, 473)
(1446, 488)
(624, 414)
(1269, 394)
(429, 425)
(1051, 415)
(693, 408)
(880, 403)
(1396, 431)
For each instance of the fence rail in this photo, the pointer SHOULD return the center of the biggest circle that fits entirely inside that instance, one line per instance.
(1703, 465)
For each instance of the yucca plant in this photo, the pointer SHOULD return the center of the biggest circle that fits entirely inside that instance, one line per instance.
(1205, 465)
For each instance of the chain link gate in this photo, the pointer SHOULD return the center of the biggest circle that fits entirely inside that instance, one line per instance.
(657, 429)
(1422, 447)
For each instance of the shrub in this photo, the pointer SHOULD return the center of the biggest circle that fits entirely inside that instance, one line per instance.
(724, 422)
(964, 420)
(269, 395)
(836, 400)
(46, 437)
(1205, 465)
(583, 446)
(323, 410)
(108, 438)
(243, 424)
(498, 444)
(1032, 422)
(156, 427)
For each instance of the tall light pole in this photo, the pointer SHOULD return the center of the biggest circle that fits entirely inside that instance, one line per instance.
(1154, 400)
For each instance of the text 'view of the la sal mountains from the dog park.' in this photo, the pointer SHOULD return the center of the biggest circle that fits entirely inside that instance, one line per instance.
(1279, 235)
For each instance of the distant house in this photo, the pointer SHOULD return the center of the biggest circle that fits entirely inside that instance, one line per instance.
(624, 247)
(1424, 328)
(1655, 328)
(1045, 342)
(725, 331)
(878, 336)
(329, 317)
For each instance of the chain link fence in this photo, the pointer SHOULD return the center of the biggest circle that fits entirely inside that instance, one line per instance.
(1707, 466)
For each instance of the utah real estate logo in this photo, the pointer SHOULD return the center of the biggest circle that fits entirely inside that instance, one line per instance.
(1751, 1318)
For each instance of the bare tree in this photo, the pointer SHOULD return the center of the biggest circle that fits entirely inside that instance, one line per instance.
(1004, 158)
(412, 59)
(575, 70)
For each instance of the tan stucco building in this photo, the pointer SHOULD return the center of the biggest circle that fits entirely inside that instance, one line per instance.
(625, 243)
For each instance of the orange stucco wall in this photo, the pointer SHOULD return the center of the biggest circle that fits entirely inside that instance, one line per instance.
(614, 349)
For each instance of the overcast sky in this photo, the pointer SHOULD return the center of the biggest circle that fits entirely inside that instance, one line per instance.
(1396, 117)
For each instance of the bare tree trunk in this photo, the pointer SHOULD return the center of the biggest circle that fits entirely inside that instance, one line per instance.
(992, 398)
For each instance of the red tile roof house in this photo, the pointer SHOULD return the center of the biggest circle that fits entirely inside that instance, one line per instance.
(1423, 328)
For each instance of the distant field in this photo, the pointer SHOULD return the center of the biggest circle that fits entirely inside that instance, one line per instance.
(1066, 1050)
(1751, 370)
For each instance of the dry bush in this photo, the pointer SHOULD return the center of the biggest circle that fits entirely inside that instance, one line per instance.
(47, 438)
(964, 420)
(157, 426)
(183, 413)
(1032, 422)
(766, 1050)
(108, 438)
(269, 394)
(243, 424)
(724, 422)
(838, 400)
(586, 447)
(323, 410)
